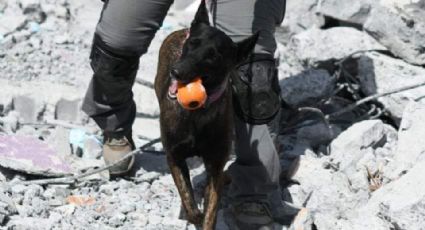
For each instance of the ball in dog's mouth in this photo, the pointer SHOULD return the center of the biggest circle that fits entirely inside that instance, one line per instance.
(193, 95)
(194, 104)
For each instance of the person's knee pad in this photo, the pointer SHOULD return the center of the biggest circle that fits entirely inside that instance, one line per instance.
(256, 91)
(111, 64)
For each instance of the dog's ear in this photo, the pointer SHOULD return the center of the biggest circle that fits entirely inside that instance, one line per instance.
(201, 15)
(245, 47)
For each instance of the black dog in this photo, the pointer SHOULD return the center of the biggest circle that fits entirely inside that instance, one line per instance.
(186, 54)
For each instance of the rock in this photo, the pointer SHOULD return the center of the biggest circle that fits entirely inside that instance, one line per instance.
(175, 224)
(59, 141)
(288, 63)
(31, 192)
(299, 16)
(7, 206)
(139, 219)
(68, 110)
(62, 39)
(32, 156)
(10, 122)
(29, 5)
(148, 177)
(18, 222)
(3, 5)
(11, 19)
(146, 128)
(315, 47)
(155, 219)
(92, 148)
(29, 109)
(127, 207)
(323, 220)
(401, 203)
(108, 188)
(117, 220)
(56, 192)
(2, 176)
(348, 11)
(35, 206)
(65, 210)
(89, 164)
(146, 101)
(349, 147)
(409, 150)
(307, 88)
(369, 221)
(27, 131)
(61, 12)
(5, 103)
(401, 29)
(377, 74)
(19, 189)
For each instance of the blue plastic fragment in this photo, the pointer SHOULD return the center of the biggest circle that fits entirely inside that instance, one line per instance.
(34, 27)
(77, 137)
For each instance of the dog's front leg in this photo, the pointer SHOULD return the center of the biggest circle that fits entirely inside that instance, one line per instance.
(215, 179)
(180, 173)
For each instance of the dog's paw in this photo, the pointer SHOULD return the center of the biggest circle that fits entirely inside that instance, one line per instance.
(196, 219)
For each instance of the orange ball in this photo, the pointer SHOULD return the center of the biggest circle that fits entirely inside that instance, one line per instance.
(192, 95)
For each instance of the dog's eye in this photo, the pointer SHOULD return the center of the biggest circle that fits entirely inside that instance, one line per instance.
(211, 53)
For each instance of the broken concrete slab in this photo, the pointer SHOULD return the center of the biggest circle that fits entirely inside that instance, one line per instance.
(379, 73)
(32, 156)
(10, 122)
(409, 150)
(330, 195)
(349, 146)
(307, 87)
(11, 19)
(315, 47)
(401, 201)
(68, 110)
(59, 141)
(299, 16)
(29, 108)
(355, 12)
(400, 28)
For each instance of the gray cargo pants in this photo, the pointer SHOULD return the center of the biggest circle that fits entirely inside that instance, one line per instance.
(127, 27)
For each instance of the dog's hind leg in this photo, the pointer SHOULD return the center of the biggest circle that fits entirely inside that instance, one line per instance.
(180, 173)
(215, 179)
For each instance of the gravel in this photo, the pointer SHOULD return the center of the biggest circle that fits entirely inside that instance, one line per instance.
(357, 172)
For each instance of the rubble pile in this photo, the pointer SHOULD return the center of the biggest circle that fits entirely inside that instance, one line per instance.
(361, 168)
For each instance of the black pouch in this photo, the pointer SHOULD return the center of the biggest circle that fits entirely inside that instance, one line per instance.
(256, 91)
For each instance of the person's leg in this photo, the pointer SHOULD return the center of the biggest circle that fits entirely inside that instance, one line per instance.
(241, 18)
(123, 33)
(255, 173)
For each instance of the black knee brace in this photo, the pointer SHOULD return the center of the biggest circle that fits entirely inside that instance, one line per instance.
(256, 91)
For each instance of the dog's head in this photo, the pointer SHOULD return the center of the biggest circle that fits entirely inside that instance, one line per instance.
(209, 53)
